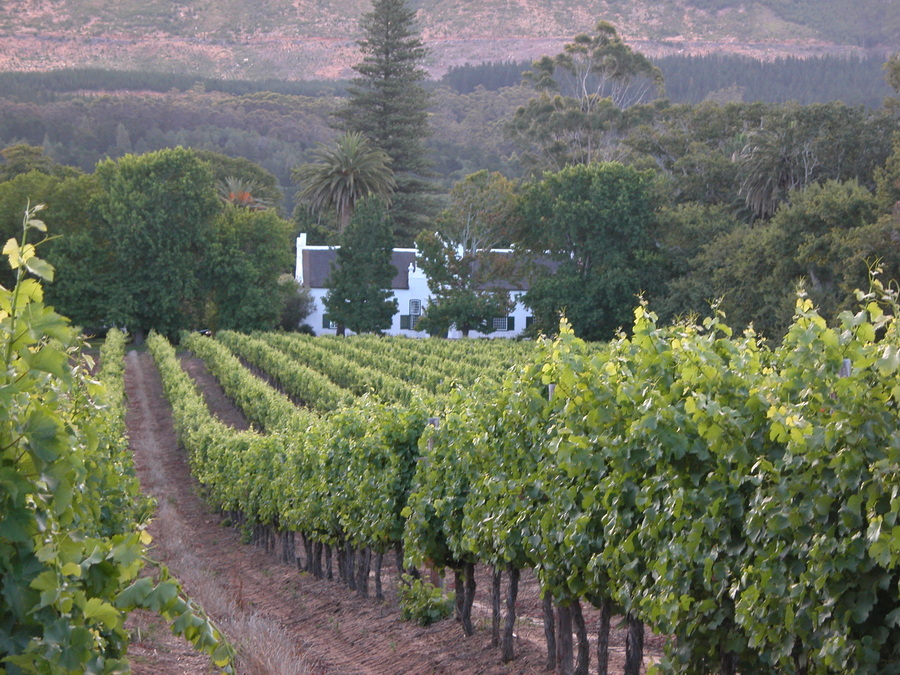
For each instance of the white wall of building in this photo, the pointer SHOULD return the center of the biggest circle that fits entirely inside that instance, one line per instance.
(418, 291)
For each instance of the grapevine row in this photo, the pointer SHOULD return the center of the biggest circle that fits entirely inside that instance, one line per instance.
(341, 480)
(739, 498)
(343, 371)
(71, 531)
(262, 406)
(303, 384)
(447, 372)
(388, 359)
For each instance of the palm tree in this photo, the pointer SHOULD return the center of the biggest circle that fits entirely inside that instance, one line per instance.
(343, 174)
(239, 192)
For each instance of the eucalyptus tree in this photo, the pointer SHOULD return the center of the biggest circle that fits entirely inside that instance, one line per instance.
(583, 102)
(469, 281)
(343, 174)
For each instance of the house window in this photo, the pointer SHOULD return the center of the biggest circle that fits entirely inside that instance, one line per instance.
(327, 323)
(409, 321)
(529, 321)
(504, 323)
(499, 323)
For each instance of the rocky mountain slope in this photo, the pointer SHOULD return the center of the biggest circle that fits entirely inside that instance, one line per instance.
(311, 39)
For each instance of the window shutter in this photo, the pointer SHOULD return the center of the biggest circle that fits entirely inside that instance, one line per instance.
(529, 321)
(404, 322)
(326, 321)
(510, 323)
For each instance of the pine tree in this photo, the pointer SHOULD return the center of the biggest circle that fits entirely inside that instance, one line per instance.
(359, 294)
(388, 105)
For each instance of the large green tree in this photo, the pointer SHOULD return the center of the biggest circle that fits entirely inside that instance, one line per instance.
(359, 296)
(67, 200)
(595, 221)
(344, 174)
(586, 98)
(251, 249)
(468, 281)
(823, 237)
(157, 212)
(389, 105)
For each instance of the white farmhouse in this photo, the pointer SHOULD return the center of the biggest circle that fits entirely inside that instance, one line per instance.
(410, 287)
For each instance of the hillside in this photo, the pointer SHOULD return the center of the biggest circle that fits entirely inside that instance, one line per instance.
(312, 39)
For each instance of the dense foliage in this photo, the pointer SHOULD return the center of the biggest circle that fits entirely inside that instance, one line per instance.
(72, 533)
(736, 496)
(360, 296)
(593, 221)
(194, 259)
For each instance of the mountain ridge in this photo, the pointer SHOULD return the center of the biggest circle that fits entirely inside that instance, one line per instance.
(316, 39)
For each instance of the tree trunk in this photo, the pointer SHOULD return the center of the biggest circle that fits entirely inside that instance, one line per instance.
(603, 637)
(459, 589)
(728, 664)
(350, 565)
(308, 547)
(507, 651)
(363, 565)
(317, 560)
(379, 561)
(346, 213)
(468, 629)
(801, 664)
(634, 646)
(329, 572)
(584, 648)
(496, 580)
(398, 558)
(287, 539)
(341, 564)
(549, 631)
(565, 655)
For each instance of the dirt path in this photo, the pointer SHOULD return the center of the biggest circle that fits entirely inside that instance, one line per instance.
(327, 628)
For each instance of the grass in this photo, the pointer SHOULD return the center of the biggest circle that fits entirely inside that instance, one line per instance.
(264, 648)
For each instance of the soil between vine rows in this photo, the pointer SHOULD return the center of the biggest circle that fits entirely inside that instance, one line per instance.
(336, 631)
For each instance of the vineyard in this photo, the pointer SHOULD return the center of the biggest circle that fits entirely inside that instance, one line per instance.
(739, 498)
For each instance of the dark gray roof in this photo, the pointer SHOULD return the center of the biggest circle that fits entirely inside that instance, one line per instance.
(317, 267)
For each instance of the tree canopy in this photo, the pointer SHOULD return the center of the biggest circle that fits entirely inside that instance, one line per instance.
(583, 94)
(595, 221)
(157, 214)
(344, 174)
(388, 104)
(469, 281)
(250, 249)
(359, 296)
